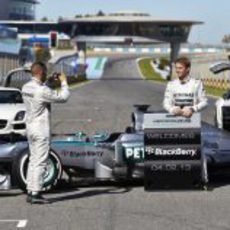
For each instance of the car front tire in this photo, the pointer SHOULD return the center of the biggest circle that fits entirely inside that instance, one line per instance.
(52, 174)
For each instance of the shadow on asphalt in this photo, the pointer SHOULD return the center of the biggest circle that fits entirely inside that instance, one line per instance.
(127, 186)
(219, 181)
(71, 190)
(10, 194)
(65, 186)
(67, 191)
(85, 194)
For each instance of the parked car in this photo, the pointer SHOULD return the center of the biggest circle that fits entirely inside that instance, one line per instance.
(222, 118)
(12, 115)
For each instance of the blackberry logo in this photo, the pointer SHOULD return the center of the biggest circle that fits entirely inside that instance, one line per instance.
(175, 152)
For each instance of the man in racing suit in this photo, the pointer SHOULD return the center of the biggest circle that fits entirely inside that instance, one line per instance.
(184, 96)
(37, 98)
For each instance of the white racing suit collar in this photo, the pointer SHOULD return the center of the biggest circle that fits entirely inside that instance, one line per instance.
(37, 80)
(185, 80)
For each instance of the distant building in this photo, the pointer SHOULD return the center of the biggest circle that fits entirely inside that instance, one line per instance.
(17, 9)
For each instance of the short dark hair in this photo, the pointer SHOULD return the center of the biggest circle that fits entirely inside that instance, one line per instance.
(184, 61)
(39, 64)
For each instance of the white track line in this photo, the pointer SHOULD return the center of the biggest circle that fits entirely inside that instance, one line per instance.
(20, 223)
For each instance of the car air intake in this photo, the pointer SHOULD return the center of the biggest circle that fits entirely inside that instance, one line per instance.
(19, 126)
(3, 124)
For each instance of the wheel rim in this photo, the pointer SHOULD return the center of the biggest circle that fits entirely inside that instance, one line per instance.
(23, 167)
(51, 170)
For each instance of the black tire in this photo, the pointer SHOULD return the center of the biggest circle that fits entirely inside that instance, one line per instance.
(215, 119)
(52, 174)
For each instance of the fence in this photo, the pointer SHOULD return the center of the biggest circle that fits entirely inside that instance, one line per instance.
(201, 70)
(19, 76)
(7, 63)
(9, 55)
(66, 64)
(69, 65)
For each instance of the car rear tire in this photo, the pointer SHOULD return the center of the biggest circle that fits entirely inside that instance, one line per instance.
(53, 171)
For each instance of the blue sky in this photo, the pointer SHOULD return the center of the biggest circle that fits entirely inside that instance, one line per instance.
(214, 13)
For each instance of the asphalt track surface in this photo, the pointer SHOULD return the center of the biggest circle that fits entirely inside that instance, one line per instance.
(106, 105)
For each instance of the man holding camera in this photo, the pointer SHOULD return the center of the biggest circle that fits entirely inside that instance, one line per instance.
(37, 98)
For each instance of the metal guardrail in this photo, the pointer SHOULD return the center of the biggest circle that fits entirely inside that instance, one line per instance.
(67, 64)
(7, 63)
(19, 76)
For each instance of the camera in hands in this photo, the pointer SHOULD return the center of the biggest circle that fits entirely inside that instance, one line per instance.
(54, 80)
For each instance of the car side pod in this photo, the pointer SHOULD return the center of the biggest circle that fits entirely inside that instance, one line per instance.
(102, 172)
(121, 172)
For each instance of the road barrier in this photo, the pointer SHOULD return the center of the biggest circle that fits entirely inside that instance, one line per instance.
(9, 55)
(17, 77)
(7, 63)
(66, 64)
(223, 84)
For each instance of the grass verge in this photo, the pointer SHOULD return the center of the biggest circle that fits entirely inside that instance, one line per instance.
(214, 91)
(149, 74)
(148, 71)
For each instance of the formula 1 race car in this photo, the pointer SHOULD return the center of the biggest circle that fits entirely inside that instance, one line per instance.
(115, 156)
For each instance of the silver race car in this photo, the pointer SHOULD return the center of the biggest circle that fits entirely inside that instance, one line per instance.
(103, 156)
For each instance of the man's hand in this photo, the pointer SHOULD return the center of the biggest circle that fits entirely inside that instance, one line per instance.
(177, 111)
(187, 112)
(63, 77)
